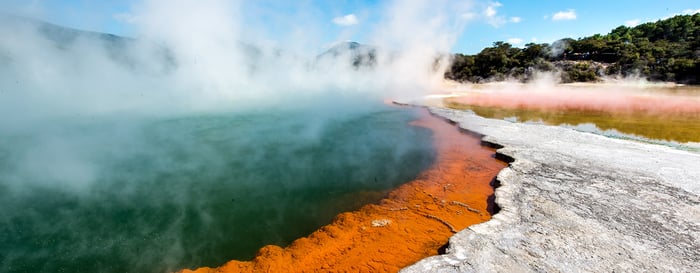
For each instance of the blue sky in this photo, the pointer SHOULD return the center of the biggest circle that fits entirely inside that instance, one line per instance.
(518, 22)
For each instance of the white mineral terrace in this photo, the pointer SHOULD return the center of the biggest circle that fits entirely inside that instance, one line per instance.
(579, 202)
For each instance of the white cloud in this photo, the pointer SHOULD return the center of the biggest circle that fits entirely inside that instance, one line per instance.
(691, 11)
(490, 14)
(633, 22)
(347, 20)
(515, 41)
(564, 15)
(491, 10)
(684, 12)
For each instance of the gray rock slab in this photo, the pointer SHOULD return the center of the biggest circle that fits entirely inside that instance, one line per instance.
(579, 202)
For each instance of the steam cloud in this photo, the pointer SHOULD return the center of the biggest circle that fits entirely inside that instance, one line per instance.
(203, 56)
(213, 56)
(72, 105)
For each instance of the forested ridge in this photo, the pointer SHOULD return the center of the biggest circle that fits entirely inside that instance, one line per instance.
(665, 50)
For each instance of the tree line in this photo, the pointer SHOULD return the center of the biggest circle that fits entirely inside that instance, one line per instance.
(665, 50)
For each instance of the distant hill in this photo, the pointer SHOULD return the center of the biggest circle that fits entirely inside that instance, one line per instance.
(118, 47)
(62, 36)
(357, 54)
(66, 39)
(666, 50)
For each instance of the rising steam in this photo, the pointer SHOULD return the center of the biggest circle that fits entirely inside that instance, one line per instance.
(214, 56)
(217, 93)
(203, 56)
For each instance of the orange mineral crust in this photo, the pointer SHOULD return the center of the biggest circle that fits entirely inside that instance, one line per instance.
(411, 223)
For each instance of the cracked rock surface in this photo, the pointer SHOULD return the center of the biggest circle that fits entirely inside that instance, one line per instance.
(579, 202)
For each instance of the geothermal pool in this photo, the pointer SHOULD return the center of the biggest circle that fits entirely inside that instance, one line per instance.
(650, 113)
(412, 222)
(160, 194)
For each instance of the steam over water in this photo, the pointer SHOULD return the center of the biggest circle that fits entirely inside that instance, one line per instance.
(191, 191)
(207, 134)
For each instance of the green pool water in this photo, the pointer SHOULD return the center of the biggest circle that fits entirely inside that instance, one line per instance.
(161, 194)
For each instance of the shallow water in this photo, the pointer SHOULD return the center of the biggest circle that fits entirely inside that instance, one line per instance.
(667, 114)
(163, 194)
(680, 128)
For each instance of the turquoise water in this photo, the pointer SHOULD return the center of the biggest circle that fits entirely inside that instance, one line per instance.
(155, 195)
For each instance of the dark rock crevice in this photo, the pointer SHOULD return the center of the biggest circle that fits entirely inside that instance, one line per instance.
(491, 206)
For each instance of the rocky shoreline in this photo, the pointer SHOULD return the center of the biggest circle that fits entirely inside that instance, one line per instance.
(574, 201)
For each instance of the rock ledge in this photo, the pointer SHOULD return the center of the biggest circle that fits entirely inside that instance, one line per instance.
(573, 201)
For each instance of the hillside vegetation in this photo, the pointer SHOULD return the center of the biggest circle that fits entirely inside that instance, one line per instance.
(666, 50)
